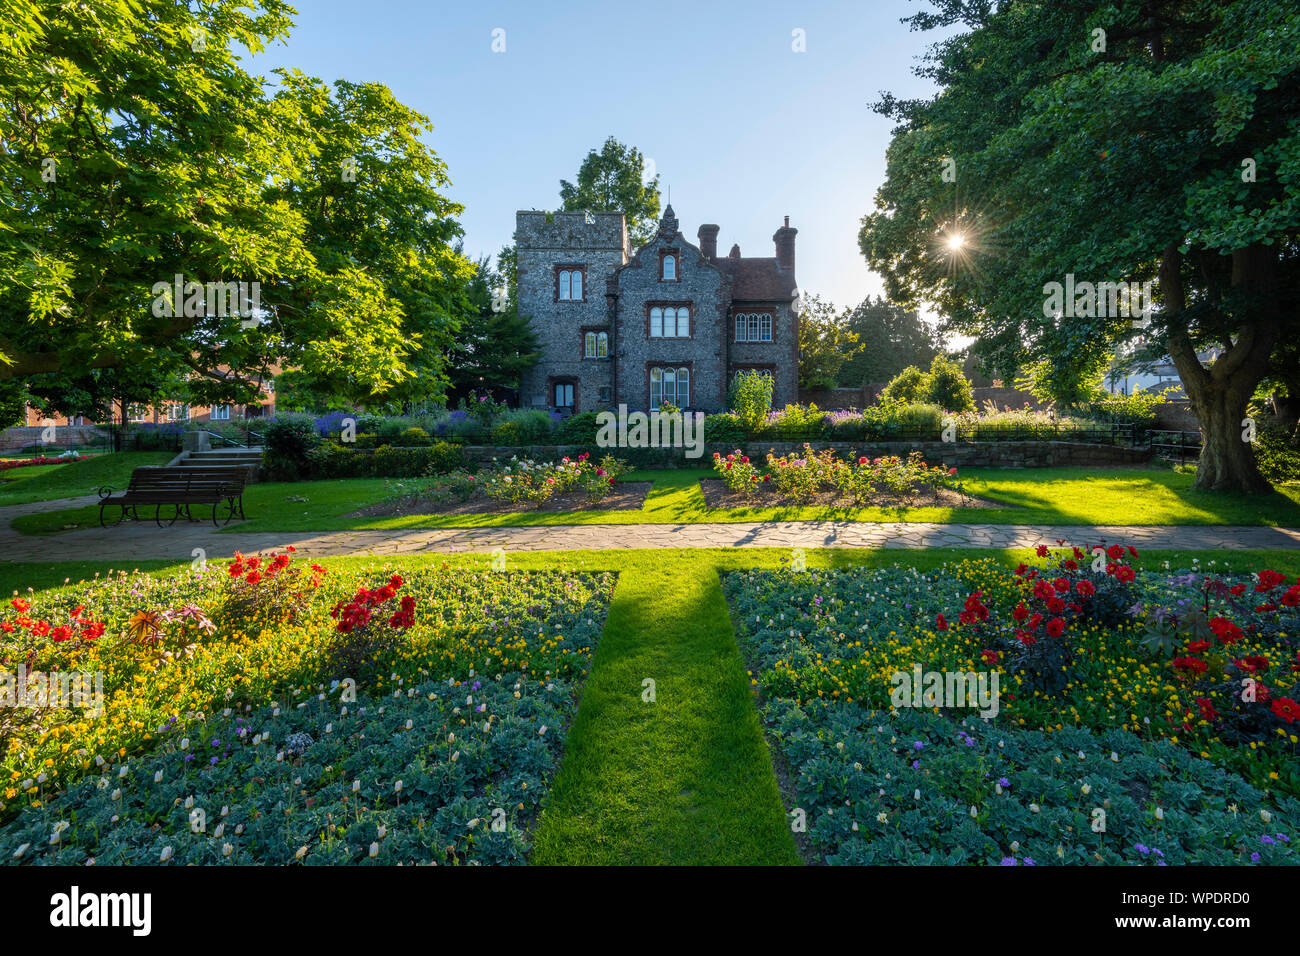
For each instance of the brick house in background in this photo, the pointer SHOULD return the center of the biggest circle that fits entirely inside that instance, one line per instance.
(168, 412)
(669, 322)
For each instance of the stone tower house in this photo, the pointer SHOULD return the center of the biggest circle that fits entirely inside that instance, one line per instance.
(670, 322)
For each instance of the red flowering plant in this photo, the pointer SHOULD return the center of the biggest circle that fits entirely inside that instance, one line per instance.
(39, 643)
(737, 472)
(1032, 636)
(371, 622)
(263, 591)
(30, 641)
(1235, 646)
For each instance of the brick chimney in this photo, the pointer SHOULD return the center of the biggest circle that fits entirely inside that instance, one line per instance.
(709, 240)
(784, 240)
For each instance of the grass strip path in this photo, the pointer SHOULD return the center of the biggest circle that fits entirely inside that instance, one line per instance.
(687, 778)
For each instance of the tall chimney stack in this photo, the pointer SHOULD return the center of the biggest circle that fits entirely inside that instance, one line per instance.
(709, 240)
(784, 240)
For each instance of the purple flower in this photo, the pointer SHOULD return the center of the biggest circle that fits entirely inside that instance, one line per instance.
(1003, 781)
(917, 745)
(1267, 839)
(1009, 861)
(916, 765)
(1254, 858)
(1141, 849)
(1029, 861)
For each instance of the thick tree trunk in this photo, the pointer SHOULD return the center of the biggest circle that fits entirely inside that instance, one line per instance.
(1227, 460)
(1219, 394)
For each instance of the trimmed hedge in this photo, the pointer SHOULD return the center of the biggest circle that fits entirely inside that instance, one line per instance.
(332, 460)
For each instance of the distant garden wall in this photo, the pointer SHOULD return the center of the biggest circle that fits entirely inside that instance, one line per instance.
(865, 397)
(20, 436)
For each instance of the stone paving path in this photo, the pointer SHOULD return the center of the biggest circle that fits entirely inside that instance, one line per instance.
(143, 540)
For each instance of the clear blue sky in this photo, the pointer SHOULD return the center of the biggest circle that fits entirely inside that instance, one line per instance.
(742, 128)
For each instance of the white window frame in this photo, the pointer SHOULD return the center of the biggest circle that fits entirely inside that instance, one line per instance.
(559, 392)
(670, 383)
(178, 412)
(754, 327)
(219, 413)
(670, 322)
(670, 268)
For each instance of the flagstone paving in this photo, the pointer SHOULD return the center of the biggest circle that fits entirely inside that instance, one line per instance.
(144, 540)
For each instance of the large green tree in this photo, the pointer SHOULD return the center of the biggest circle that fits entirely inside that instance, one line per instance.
(138, 149)
(496, 345)
(1133, 140)
(893, 338)
(825, 342)
(614, 180)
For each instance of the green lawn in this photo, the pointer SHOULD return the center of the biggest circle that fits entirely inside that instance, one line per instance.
(1068, 496)
(686, 779)
(76, 478)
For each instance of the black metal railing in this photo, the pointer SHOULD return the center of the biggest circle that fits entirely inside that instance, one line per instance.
(1175, 446)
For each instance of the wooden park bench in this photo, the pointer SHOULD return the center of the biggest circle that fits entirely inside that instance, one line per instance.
(180, 488)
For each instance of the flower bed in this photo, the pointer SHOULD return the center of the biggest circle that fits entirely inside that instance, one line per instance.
(235, 687)
(1095, 711)
(823, 478)
(570, 484)
(8, 464)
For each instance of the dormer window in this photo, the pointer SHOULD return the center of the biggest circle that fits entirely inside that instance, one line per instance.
(568, 284)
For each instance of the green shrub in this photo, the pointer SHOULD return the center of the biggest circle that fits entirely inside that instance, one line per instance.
(948, 387)
(535, 425)
(796, 423)
(415, 436)
(751, 398)
(287, 442)
(724, 427)
(507, 433)
(891, 420)
(577, 430)
(1136, 409)
(909, 385)
(1278, 459)
(333, 460)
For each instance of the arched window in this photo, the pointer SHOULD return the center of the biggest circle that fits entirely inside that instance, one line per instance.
(656, 323)
(656, 387)
(595, 345)
(753, 326)
(683, 387)
(589, 345)
(670, 268)
(565, 287)
(576, 289)
(602, 345)
(765, 334)
(670, 387)
(683, 322)
(740, 328)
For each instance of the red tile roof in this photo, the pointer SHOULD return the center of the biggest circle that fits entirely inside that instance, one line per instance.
(756, 278)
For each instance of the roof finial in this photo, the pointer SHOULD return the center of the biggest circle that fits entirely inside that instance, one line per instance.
(668, 225)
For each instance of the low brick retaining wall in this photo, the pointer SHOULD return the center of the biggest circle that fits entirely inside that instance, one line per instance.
(20, 436)
(988, 454)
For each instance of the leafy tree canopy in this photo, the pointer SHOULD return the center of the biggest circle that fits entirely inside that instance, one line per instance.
(138, 149)
(613, 179)
(1137, 141)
